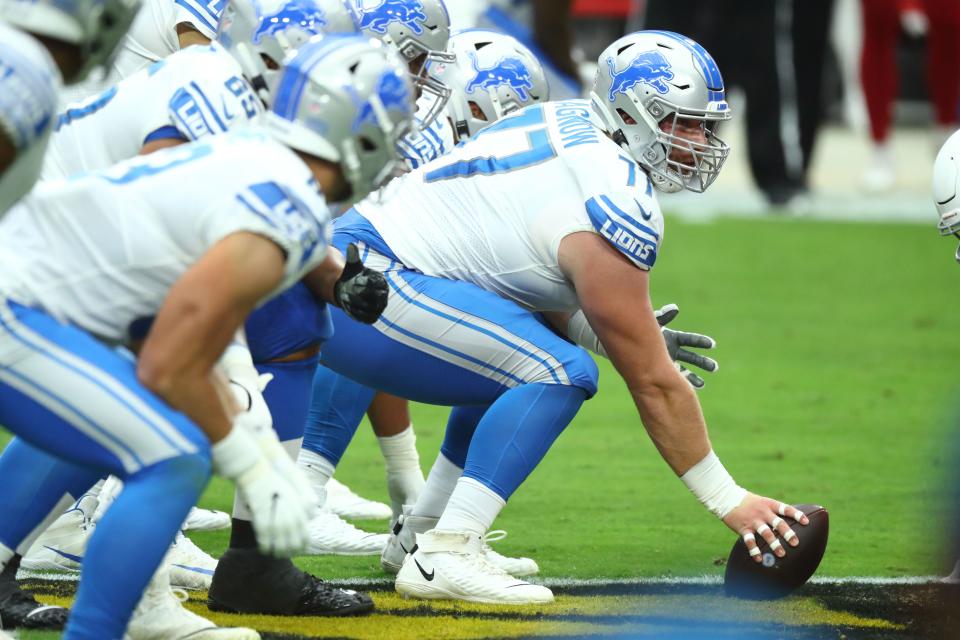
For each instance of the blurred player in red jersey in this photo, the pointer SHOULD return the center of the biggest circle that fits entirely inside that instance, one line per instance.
(883, 21)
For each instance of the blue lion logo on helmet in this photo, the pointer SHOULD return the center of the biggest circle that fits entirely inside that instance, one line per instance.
(394, 94)
(295, 12)
(650, 68)
(407, 12)
(507, 71)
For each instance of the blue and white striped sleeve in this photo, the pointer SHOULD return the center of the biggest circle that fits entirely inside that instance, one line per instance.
(204, 15)
(194, 114)
(631, 222)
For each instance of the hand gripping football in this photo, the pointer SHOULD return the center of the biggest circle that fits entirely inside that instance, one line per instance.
(778, 577)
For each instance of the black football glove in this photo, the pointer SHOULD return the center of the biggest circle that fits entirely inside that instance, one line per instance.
(360, 292)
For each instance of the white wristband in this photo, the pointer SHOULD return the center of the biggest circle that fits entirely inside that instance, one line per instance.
(236, 454)
(713, 486)
(580, 331)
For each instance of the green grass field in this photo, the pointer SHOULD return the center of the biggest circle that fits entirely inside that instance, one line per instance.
(838, 352)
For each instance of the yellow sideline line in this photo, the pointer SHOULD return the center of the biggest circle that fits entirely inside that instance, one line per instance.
(403, 619)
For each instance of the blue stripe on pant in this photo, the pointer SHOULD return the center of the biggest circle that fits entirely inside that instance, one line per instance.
(81, 406)
(451, 343)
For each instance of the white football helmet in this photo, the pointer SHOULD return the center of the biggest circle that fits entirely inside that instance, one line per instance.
(261, 33)
(493, 75)
(648, 86)
(946, 187)
(95, 27)
(347, 99)
(28, 108)
(420, 30)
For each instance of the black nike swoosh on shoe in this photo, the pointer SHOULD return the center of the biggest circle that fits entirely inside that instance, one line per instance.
(427, 576)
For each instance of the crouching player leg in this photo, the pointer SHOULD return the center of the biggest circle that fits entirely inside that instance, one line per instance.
(367, 105)
(451, 343)
(67, 393)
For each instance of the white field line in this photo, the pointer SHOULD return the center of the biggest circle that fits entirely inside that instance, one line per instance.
(706, 580)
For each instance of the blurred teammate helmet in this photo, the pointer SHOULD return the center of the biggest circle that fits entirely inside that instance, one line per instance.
(347, 99)
(650, 85)
(946, 187)
(420, 31)
(493, 75)
(261, 33)
(95, 27)
(28, 106)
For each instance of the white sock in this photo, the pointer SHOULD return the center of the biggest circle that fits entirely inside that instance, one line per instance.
(473, 507)
(318, 471)
(404, 476)
(436, 492)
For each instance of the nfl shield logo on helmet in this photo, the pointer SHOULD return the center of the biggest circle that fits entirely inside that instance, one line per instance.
(507, 71)
(650, 68)
(407, 12)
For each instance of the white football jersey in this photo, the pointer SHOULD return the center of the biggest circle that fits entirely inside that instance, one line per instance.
(29, 81)
(196, 92)
(153, 37)
(494, 210)
(421, 146)
(101, 250)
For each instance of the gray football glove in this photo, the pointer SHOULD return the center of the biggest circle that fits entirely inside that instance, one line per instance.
(677, 340)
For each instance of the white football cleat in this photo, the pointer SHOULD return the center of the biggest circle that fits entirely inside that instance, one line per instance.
(514, 566)
(190, 566)
(332, 535)
(206, 520)
(62, 545)
(161, 616)
(342, 501)
(403, 539)
(451, 565)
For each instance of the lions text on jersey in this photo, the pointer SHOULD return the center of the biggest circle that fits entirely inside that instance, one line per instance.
(494, 210)
(196, 92)
(100, 251)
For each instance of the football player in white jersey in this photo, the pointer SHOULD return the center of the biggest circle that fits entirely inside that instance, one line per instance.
(71, 39)
(78, 36)
(420, 31)
(162, 28)
(200, 91)
(550, 210)
(493, 76)
(203, 90)
(110, 254)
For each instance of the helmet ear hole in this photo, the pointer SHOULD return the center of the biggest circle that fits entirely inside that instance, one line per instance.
(366, 144)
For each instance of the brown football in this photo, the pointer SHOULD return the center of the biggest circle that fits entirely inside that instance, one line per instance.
(777, 577)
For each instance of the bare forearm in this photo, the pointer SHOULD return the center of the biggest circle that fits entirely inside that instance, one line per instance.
(671, 415)
(197, 397)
